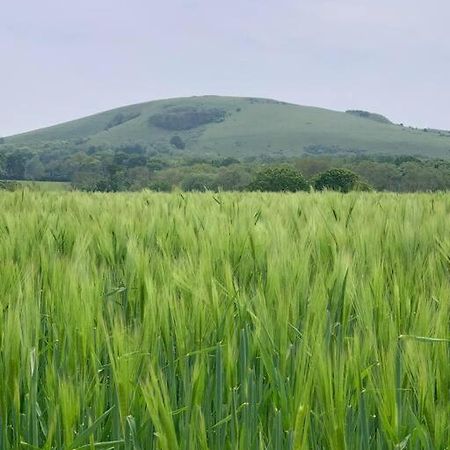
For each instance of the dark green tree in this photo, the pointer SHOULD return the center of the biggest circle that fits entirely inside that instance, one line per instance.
(225, 162)
(233, 178)
(342, 180)
(279, 179)
(15, 164)
(34, 169)
(160, 186)
(199, 182)
(177, 142)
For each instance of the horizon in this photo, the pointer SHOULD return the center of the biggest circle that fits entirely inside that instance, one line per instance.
(68, 61)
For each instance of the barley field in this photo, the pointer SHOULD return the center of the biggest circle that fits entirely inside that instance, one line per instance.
(224, 321)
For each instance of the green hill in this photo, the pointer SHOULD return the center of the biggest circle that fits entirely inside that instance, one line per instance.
(239, 127)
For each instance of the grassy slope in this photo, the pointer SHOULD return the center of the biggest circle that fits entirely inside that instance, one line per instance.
(252, 127)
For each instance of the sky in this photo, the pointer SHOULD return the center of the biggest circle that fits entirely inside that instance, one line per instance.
(61, 60)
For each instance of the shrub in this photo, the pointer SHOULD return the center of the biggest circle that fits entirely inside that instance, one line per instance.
(177, 142)
(121, 118)
(6, 185)
(278, 179)
(342, 180)
(368, 115)
(187, 118)
(199, 182)
(225, 162)
(233, 178)
(160, 186)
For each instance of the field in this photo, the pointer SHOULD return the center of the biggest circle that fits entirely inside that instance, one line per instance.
(40, 186)
(45, 185)
(224, 321)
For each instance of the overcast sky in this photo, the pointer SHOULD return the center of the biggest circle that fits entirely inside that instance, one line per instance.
(64, 59)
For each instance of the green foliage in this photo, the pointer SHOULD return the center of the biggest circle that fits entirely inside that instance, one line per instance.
(15, 164)
(43, 186)
(6, 185)
(224, 321)
(121, 118)
(321, 149)
(399, 160)
(34, 169)
(225, 162)
(342, 180)
(369, 115)
(160, 186)
(135, 166)
(381, 175)
(198, 182)
(278, 179)
(233, 178)
(177, 142)
(187, 118)
(215, 128)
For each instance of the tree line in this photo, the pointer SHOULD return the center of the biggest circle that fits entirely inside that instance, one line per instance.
(133, 167)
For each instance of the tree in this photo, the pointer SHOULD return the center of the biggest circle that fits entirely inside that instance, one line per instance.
(86, 179)
(15, 164)
(279, 179)
(34, 169)
(342, 180)
(310, 166)
(177, 142)
(381, 175)
(139, 178)
(199, 182)
(233, 178)
(422, 177)
(160, 186)
(225, 162)
(2, 164)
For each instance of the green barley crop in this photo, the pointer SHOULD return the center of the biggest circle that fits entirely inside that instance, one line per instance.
(224, 321)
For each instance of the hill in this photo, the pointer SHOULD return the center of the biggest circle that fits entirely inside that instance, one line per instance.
(214, 126)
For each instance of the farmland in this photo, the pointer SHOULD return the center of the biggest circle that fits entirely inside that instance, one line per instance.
(224, 321)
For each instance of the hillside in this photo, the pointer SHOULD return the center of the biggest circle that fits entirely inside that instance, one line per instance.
(239, 127)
